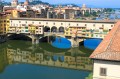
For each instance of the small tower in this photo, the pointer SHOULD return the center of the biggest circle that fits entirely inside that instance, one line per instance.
(14, 3)
(84, 6)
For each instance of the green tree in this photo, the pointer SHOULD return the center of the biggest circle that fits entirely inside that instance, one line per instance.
(94, 14)
(90, 76)
(108, 10)
(87, 14)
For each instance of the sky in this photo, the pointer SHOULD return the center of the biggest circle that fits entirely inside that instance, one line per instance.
(96, 3)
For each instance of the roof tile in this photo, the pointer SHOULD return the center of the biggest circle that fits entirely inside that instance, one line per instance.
(109, 48)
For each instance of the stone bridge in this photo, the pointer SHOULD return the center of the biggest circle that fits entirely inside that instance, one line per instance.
(35, 37)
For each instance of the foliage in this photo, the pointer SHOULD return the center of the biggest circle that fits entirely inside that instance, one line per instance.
(90, 76)
(94, 13)
(38, 2)
(87, 14)
(108, 10)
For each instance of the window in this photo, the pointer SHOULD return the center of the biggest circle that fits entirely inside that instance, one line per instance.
(102, 25)
(26, 27)
(96, 35)
(87, 34)
(4, 20)
(111, 25)
(103, 71)
(109, 29)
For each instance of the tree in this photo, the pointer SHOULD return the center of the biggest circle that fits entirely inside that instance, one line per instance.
(108, 10)
(90, 76)
(94, 14)
(87, 14)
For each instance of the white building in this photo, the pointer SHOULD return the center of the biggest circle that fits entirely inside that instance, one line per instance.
(106, 57)
(39, 7)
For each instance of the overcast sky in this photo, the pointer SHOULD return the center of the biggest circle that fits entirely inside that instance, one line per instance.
(99, 3)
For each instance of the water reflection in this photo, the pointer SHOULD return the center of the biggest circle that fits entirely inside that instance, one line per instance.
(20, 54)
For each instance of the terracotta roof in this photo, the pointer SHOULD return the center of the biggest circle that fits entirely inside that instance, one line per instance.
(8, 11)
(18, 10)
(109, 48)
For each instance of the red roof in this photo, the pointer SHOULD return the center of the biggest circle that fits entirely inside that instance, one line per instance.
(109, 48)
(8, 11)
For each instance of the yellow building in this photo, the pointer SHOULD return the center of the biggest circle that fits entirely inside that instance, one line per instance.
(35, 29)
(73, 31)
(31, 28)
(14, 13)
(82, 31)
(4, 23)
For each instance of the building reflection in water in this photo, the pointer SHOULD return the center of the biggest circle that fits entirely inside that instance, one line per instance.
(11, 54)
(49, 59)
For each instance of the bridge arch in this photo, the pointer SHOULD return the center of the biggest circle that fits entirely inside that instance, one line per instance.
(46, 29)
(61, 29)
(19, 37)
(54, 29)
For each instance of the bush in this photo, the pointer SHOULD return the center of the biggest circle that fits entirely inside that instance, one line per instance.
(90, 76)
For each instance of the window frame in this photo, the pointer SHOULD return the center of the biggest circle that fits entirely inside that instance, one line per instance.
(103, 71)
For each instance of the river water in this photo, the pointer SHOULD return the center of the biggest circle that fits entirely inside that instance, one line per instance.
(22, 60)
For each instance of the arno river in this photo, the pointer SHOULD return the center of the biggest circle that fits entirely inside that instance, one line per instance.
(22, 60)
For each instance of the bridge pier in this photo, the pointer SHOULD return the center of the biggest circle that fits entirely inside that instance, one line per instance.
(75, 42)
(35, 39)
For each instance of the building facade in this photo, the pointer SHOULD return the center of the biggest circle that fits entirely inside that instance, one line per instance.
(94, 29)
(4, 23)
